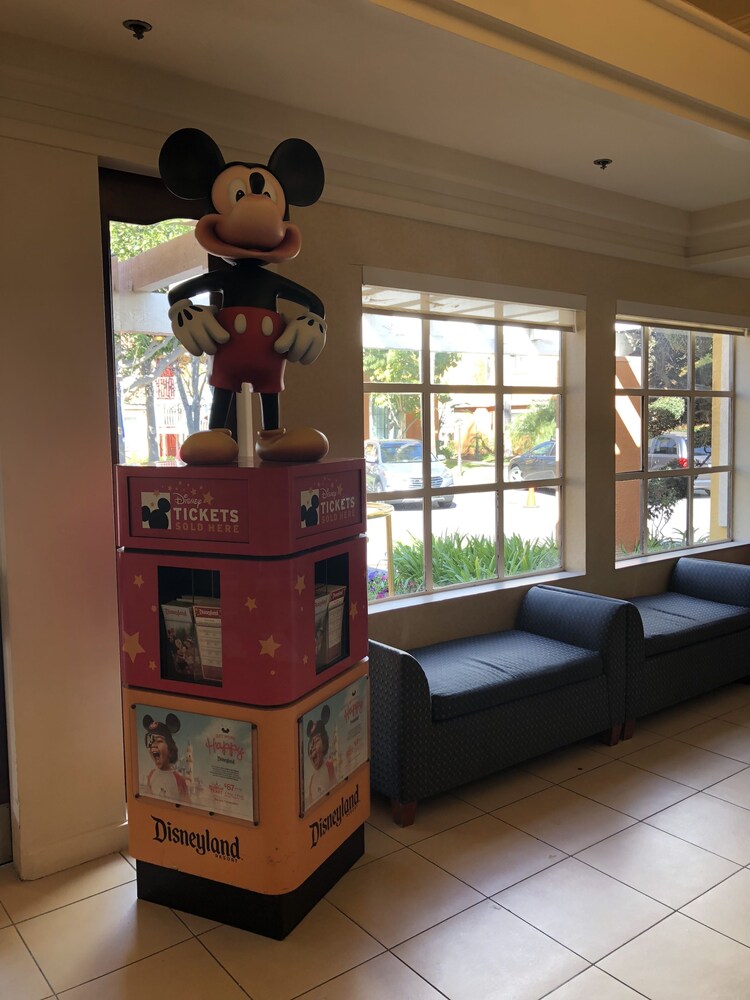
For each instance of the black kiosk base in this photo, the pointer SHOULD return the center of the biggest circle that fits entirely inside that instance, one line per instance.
(271, 916)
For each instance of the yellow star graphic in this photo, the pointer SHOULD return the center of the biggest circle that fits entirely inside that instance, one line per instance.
(132, 645)
(151, 665)
(208, 498)
(268, 646)
(138, 581)
(353, 610)
(305, 658)
(300, 584)
(251, 604)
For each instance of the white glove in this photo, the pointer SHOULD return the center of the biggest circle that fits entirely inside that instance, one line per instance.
(303, 339)
(197, 328)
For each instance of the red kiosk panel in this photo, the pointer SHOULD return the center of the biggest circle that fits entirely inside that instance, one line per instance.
(250, 631)
(252, 510)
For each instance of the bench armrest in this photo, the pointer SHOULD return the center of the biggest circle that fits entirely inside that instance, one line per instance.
(401, 714)
(711, 580)
(586, 620)
(610, 627)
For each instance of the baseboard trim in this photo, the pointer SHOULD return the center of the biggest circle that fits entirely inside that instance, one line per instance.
(6, 848)
(74, 851)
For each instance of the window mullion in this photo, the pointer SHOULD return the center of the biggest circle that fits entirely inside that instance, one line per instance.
(427, 375)
(499, 452)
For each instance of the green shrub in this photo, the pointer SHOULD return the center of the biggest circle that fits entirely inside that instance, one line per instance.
(522, 556)
(462, 558)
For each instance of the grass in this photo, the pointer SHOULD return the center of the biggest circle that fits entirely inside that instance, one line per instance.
(462, 558)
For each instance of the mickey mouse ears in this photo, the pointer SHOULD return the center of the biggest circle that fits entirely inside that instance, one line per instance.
(170, 726)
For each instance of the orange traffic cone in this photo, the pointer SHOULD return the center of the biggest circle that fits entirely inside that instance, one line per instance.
(531, 497)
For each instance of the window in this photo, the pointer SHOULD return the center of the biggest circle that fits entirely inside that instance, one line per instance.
(673, 437)
(463, 428)
(160, 392)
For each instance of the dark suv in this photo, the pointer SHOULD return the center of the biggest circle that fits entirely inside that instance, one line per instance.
(539, 462)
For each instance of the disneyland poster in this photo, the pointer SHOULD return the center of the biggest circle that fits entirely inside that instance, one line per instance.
(334, 741)
(196, 760)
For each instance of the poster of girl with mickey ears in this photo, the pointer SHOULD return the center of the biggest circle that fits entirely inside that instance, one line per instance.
(209, 766)
(334, 741)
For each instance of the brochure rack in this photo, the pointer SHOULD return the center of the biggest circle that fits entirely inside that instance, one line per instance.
(243, 613)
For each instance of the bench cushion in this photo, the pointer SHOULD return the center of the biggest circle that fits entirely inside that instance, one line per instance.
(673, 621)
(479, 672)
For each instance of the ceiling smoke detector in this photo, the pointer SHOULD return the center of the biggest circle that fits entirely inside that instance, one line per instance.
(603, 162)
(139, 28)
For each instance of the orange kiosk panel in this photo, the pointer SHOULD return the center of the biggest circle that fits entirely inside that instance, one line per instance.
(270, 831)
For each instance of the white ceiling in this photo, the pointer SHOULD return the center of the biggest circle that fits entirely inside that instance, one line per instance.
(355, 61)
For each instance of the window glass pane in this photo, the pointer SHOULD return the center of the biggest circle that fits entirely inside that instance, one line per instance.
(162, 394)
(408, 548)
(712, 361)
(702, 431)
(711, 431)
(628, 356)
(628, 433)
(531, 433)
(464, 541)
(380, 582)
(711, 508)
(395, 563)
(464, 305)
(667, 359)
(464, 429)
(394, 439)
(667, 432)
(531, 529)
(531, 357)
(667, 513)
(462, 353)
(391, 348)
(628, 518)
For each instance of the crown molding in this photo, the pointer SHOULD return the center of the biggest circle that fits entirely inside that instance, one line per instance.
(100, 107)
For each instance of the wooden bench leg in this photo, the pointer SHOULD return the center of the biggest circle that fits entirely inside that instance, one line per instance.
(628, 729)
(612, 736)
(404, 813)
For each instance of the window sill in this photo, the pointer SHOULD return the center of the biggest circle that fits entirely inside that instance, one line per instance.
(440, 597)
(698, 551)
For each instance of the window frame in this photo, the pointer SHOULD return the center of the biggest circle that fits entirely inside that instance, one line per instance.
(426, 389)
(645, 393)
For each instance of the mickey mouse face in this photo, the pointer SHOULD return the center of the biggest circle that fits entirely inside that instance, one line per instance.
(250, 203)
(238, 181)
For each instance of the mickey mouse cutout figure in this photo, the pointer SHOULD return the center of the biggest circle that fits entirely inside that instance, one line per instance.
(253, 335)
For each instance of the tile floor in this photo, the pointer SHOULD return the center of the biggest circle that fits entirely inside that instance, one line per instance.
(596, 873)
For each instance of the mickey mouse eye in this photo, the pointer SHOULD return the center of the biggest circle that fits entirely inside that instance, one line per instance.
(236, 190)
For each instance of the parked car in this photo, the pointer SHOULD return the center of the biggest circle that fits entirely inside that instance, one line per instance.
(670, 451)
(397, 465)
(539, 462)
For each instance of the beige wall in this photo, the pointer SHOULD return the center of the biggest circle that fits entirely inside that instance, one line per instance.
(58, 601)
(58, 565)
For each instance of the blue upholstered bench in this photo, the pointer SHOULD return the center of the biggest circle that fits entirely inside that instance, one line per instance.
(696, 636)
(453, 712)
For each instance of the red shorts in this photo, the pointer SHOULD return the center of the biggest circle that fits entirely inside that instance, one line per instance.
(248, 355)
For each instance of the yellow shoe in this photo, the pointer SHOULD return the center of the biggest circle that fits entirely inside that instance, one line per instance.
(303, 444)
(216, 447)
